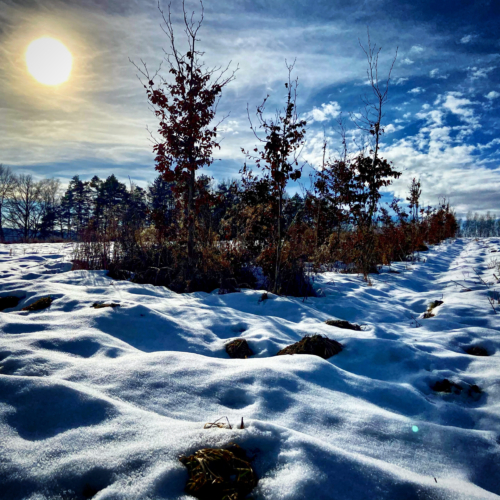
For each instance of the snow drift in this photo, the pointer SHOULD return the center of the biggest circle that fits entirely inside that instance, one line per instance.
(101, 402)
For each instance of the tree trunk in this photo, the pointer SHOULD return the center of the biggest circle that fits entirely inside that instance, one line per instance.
(190, 223)
(278, 246)
(2, 235)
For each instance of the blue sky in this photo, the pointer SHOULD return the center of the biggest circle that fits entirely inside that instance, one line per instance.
(442, 120)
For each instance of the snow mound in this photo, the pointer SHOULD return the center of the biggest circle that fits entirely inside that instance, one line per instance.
(101, 402)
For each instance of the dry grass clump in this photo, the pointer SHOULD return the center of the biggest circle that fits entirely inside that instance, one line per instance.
(431, 307)
(219, 474)
(239, 348)
(8, 302)
(340, 323)
(39, 304)
(97, 305)
(477, 350)
(316, 345)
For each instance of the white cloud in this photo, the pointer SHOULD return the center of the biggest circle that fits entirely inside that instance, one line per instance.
(407, 60)
(390, 129)
(494, 142)
(492, 95)
(477, 73)
(327, 111)
(401, 80)
(435, 73)
(445, 163)
(455, 103)
(417, 49)
(416, 90)
(466, 39)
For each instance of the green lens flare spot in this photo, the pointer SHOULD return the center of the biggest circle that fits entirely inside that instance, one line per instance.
(414, 428)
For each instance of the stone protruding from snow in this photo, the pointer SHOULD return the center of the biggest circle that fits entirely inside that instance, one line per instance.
(476, 350)
(340, 323)
(239, 348)
(316, 345)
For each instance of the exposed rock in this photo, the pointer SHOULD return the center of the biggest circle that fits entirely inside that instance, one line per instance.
(316, 345)
(340, 323)
(476, 350)
(8, 302)
(97, 305)
(239, 348)
(447, 386)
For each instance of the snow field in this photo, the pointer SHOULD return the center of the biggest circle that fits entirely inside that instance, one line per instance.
(111, 397)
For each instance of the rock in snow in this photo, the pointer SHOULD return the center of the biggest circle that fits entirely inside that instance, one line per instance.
(100, 403)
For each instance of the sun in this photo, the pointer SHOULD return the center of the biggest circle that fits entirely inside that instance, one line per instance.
(49, 61)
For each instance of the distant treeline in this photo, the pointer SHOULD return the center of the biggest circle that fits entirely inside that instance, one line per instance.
(479, 226)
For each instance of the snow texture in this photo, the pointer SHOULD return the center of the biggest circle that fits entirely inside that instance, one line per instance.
(103, 401)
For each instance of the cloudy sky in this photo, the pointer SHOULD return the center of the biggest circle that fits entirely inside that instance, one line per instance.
(442, 120)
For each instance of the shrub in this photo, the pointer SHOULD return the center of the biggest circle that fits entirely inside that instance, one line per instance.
(219, 474)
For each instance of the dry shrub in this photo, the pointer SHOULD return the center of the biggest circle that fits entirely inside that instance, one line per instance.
(431, 307)
(219, 474)
(39, 304)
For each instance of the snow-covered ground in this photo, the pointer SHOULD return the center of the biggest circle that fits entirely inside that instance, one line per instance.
(111, 397)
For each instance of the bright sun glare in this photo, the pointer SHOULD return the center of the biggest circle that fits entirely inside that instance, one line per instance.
(49, 61)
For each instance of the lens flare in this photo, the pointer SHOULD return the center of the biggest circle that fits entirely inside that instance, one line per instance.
(414, 428)
(49, 61)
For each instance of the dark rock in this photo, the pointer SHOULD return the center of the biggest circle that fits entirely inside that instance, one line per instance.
(239, 348)
(316, 345)
(340, 323)
(447, 386)
(474, 389)
(477, 350)
(97, 305)
(8, 302)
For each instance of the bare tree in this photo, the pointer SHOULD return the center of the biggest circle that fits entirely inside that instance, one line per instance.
(24, 205)
(7, 183)
(376, 172)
